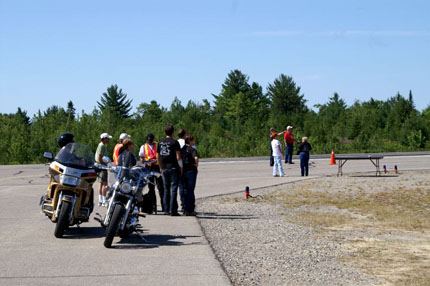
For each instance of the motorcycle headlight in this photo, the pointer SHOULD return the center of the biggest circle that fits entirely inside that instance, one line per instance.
(125, 188)
(69, 180)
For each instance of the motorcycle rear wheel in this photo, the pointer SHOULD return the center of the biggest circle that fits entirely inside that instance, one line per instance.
(63, 219)
(113, 225)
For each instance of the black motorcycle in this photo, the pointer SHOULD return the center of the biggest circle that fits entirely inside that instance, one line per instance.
(122, 216)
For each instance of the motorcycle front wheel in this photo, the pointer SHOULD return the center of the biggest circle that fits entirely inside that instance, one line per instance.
(63, 219)
(113, 225)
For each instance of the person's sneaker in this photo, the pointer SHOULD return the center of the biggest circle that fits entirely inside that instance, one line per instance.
(100, 204)
(292, 163)
(105, 204)
(275, 176)
(175, 214)
(283, 175)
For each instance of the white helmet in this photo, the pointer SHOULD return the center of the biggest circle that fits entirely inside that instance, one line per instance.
(124, 136)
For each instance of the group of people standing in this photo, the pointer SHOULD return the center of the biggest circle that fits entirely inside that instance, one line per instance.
(276, 154)
(176, 160)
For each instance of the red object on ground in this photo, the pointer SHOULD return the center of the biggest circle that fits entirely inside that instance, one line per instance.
(246, 192)
(332, 160)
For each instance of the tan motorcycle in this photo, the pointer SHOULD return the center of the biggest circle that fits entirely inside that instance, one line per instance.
(69, 199)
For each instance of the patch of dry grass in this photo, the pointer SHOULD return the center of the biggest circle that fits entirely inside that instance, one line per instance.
(323, 219)
(397, 262)
(377, 209)
(398, 209)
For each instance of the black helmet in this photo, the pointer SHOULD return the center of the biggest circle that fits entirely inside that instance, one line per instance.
(150, 138)
(65, 139)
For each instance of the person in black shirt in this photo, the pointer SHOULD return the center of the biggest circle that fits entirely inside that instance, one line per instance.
(189, 178)
(126, 157)
(303, 150)
(170, 161)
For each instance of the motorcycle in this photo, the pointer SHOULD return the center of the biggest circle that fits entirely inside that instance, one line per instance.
(122, 215)
(70, 195)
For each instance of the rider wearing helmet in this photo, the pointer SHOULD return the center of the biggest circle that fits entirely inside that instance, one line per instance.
(62, 141)
(65, 139)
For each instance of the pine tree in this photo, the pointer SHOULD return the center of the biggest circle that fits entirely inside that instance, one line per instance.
(115, 101)
(23, 117)
(71, 111)
(285, 96)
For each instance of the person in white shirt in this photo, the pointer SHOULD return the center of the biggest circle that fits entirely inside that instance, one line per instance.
(277, 156)
(181, 135)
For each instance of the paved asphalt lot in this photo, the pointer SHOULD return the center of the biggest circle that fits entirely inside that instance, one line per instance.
(176, 252)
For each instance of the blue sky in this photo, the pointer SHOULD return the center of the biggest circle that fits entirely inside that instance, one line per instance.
(55, 51)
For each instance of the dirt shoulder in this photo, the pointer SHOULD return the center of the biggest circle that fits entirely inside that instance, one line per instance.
(352, 230)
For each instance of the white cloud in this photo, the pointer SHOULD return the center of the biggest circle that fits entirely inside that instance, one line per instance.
(277, 33)
(344, 33)
(379, 33)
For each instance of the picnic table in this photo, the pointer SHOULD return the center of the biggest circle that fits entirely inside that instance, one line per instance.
(345, 158)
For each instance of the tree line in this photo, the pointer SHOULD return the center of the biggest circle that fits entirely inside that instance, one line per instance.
(235, 124)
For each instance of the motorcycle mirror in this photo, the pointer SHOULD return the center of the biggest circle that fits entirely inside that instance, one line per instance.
(106, 159)
(48, 155)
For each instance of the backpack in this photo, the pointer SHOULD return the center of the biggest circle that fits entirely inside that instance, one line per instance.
(187, 156)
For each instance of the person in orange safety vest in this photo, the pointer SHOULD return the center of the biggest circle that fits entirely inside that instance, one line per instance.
(118, 146)
(148, 152)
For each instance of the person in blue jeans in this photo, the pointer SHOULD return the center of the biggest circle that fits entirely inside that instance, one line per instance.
(277, 156)
(190, 160)
(303, 150)
(289, 145)
(182, 133)
(170, 161)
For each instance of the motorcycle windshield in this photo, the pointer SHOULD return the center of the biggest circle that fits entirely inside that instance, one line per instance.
(76, 155)
(130, 173)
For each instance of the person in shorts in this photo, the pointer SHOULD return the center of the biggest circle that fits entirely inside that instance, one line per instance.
(103, 175)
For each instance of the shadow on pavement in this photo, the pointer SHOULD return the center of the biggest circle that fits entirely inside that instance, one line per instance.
(152, 241)
(84, 232)
(203, 215)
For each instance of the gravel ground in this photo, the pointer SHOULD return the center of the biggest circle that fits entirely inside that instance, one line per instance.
(258, 246)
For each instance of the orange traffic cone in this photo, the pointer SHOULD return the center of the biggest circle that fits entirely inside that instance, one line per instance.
(332, 160)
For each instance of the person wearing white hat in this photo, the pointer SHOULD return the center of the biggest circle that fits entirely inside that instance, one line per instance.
(103, 176)
(118, 146)
(289, 145)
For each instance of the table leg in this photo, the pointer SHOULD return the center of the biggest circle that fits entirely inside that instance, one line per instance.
(339, 168)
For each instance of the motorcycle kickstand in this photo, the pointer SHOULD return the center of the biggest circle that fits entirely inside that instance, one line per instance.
(141, 237)
(139, 232)
(98, 217)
